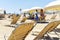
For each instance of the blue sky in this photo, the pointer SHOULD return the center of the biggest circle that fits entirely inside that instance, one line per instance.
(14, 5)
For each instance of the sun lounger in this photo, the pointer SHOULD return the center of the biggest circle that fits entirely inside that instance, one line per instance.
(13, 16)
(21, 32)
(24, 19)
(48, 28)
(2, 16)
(53, 17)
(15, 19)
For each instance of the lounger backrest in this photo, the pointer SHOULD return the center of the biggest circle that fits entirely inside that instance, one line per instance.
(21, 32)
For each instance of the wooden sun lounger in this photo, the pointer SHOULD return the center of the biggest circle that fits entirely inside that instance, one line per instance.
(21, 32)
(24, 19)
(15, 19)
(48, 28)
(53, 17)
(13, 16)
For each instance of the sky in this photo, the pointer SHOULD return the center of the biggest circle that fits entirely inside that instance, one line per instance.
(13, 6)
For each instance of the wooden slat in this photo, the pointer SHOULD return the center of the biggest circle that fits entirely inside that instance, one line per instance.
(21, 32)
(48, 28)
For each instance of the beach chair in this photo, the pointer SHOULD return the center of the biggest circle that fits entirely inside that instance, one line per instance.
(41, 18)
(53, 17)
(24, 19)
(21, 32)
(2, 16)
(51, 26)
(13, 16)
(15, 19)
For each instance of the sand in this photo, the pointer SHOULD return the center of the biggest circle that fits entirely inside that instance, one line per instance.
(5, 31)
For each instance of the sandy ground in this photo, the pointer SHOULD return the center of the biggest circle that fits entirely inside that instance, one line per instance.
(5, 31)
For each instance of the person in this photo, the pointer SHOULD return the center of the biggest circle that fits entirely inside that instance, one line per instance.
(32, 16)
(29, 15)
(36, 12)
(36, 18)
(24, 15)
(42, 16)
